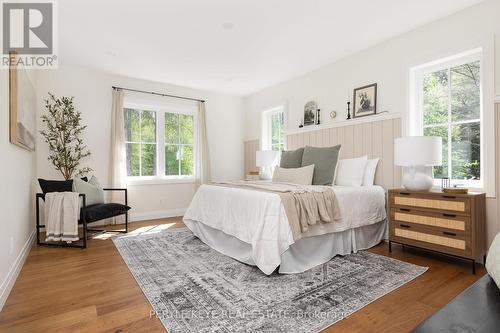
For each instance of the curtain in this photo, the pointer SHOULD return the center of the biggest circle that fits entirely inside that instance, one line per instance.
(118, 169)
(203, 171)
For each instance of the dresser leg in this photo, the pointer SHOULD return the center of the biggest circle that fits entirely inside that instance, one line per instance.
(484, 259)
(390, 247)
(473, 267)
(403, 246)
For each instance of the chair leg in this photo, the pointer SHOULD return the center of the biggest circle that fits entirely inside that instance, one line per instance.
(126, 222)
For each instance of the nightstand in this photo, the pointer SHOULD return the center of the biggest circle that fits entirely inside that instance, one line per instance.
(453, 224)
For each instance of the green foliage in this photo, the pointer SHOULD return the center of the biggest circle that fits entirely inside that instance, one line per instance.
(455, 94)
(277, 131)
(63, 134)
(140, 135)
(179, 139)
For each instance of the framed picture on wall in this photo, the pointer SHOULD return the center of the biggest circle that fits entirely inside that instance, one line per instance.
(22, 104)
(365, 101)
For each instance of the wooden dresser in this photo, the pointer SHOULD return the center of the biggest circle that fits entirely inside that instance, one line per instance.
(453, 224)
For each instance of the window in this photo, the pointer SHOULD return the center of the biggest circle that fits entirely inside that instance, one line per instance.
(140, 142)
(449, 105)
(179, 144)
(160, 143)
(273, 137)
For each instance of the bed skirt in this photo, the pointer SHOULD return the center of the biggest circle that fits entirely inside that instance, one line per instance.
(303, 254)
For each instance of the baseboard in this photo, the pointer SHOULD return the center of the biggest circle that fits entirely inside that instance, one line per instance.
(158, 214)
(14, 271)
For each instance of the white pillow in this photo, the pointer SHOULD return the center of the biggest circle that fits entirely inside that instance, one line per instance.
(350, 172)
(301, 176)
(371, 167)
(493, 260)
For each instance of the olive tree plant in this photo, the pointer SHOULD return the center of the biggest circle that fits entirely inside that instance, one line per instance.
(63, 133)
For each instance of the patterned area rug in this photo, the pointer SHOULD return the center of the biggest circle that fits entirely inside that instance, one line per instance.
(193, 288)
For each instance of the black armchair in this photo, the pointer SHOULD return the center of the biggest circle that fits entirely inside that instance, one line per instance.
(88, 214)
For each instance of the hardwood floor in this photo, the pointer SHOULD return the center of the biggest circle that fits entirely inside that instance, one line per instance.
(92, 290)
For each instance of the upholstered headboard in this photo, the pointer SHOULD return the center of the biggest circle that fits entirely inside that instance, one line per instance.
(375, 139)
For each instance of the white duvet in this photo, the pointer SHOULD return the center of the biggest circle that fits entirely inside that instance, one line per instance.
(259, 219)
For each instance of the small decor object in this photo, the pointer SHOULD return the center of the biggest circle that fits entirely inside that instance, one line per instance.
(456, 190)
(348, 110)
(365, 101)
(445, 183)
(319, 120)
(266, 159)
(418, 154)
(22, 107)
(310, 113)
(333, 114)
(63, 134)
(253, 175)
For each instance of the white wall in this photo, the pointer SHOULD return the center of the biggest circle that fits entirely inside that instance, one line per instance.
(388, 64)
(17, 168)
(92, 92)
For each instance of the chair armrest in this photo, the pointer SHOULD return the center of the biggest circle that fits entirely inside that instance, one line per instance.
(119, 189)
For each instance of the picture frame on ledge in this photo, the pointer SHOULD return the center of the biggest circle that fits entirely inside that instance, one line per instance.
(365, 101)
(310, 113)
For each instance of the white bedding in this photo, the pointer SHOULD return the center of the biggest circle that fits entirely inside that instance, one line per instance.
(259, 219)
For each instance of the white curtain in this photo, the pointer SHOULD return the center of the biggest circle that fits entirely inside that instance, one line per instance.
(203, 171)
(118, 169)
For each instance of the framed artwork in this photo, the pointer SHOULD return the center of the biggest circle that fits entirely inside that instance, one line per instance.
(310, 113)
(22, 105)
(365, 101)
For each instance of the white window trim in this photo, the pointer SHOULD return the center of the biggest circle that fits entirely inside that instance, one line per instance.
(266, 128)
(160, 177)
(416, 125)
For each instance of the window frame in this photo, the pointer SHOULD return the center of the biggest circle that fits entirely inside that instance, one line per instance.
(160, 111)
(267, 127)
(417, 113)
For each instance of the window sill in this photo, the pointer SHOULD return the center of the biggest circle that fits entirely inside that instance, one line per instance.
(159, 181)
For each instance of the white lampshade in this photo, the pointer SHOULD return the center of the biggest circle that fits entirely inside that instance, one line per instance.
(265, 158)
(418, 150)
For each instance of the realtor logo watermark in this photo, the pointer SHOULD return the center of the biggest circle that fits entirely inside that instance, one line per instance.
(29, 34)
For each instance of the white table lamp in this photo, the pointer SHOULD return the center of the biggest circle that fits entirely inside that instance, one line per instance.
(418, 154)
(265, 159)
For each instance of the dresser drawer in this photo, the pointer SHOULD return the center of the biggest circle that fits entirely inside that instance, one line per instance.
(431, 218)
(435, 202)
(439, 239)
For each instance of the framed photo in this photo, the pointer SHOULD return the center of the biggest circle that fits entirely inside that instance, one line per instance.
(310, 113)
(22, 105)
(365, 101)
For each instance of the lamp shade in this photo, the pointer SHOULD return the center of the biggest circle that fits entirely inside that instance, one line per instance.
(265, 158)
(418, 151)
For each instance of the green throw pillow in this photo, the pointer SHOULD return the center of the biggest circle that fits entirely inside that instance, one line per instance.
(291, 159)
(325, 162)
(92, 190)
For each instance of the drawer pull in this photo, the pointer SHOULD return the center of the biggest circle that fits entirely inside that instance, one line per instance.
(449, 215)
(404, 193)
(405, 226)
(449, 197)
(449, 233)
(404, 209)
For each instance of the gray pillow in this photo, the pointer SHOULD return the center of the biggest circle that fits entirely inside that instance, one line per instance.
(291, 159)
(92, 190)
(324, 160)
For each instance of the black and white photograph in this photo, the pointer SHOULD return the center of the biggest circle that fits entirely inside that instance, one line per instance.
(365, 101)
(310, 113)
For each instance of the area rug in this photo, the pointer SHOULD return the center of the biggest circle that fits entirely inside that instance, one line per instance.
(193, 288)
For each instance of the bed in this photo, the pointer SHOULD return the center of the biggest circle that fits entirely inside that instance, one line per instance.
(252, 227)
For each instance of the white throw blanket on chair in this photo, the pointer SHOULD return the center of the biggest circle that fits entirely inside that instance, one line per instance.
(61, 216)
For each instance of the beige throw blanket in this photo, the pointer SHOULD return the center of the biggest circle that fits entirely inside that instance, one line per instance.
(304, 205)
(61, 216)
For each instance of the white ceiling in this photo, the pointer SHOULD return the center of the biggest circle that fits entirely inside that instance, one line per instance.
(232, 46)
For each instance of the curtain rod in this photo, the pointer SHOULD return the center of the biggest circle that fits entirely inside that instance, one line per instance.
(159, 94)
